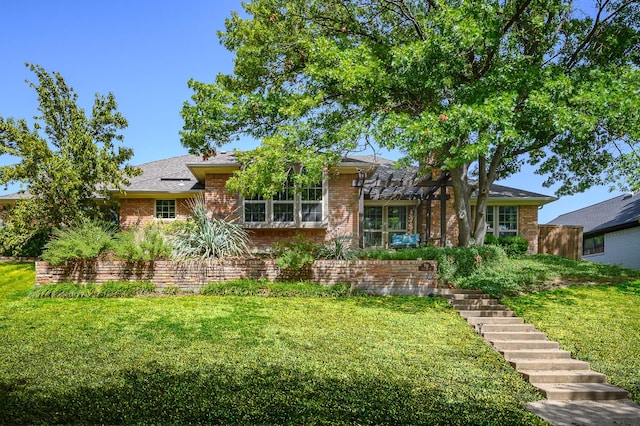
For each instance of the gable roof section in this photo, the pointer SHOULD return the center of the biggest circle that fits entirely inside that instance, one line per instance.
(185, 175)
(170, 175)
(614, 214)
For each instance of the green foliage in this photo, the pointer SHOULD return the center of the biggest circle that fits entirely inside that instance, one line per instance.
(294, 257)
(513, 246)
(32, 247)
(142, 245)
(338, 248)
(66, 160)
(499, 85)
(78, 290)
(202, 237)
(598, 324)
(86, 240)
(454, 263)
(248, 360)
(276, 289)
(528, 274)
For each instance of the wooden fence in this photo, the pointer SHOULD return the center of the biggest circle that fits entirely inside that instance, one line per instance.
(560, 240)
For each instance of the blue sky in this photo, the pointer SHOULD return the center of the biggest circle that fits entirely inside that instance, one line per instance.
(145, 52)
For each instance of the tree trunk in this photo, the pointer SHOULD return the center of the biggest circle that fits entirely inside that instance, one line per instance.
(461, 204)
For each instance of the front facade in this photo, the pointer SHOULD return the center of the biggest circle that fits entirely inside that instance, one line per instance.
(363, 200)
(611, 230)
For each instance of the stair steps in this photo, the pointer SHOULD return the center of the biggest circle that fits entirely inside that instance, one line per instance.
(539, 360)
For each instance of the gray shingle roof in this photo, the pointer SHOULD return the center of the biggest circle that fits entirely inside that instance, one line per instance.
(616, 213)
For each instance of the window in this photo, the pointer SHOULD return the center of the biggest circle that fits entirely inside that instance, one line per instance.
(255, 209)
(165, 209)
(381, 222)
(373, 224)
(290, 206)
(502, 221)
(593, 245)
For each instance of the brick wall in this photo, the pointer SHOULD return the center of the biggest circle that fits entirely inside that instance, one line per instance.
(406, 277)
(451, 238)
(343, 208)
(140, 211)
(219, 201)
(528, 226)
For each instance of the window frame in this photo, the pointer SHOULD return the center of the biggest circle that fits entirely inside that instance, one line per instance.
(159, 213)
(597, 248)
(384, 232)
(494, 218)
(290, 196)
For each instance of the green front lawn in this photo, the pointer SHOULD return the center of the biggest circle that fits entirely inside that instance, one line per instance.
(247, 360)
(598, 324)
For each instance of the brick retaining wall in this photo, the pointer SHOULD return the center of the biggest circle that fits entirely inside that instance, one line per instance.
(383, 277)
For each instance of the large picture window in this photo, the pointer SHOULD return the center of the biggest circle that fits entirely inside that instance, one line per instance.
(502, 221)
(593, 245)
(381, 222)
(291, 206)
(165, 209)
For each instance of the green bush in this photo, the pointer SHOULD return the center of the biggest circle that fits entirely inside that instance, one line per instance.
(338, 248)
(33, 247)
(294, 257)
(276, 289)
(79, 290)
(202, 237)
(513, 246)
(85, 240)
(146, 244)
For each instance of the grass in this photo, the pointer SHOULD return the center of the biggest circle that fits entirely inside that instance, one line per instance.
(528, 274)
(247, 360)
(598, 324)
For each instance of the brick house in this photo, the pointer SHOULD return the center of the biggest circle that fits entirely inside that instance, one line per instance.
(363, 199)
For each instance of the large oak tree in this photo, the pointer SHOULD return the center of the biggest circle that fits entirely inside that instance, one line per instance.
(476, 88)
(65, 162)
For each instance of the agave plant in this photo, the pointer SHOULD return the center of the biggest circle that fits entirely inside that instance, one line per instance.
(202, 237)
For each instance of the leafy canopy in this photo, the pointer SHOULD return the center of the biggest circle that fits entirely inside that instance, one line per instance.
(475, 88)
(66, 162)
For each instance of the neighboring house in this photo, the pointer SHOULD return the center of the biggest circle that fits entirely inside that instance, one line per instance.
(363, 199)
(611, 230)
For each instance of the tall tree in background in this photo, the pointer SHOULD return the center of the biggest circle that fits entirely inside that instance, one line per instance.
(66, 161)
(477, 88)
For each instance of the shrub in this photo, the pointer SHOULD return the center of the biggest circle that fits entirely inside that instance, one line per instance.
(512, 245)
(266, 288)
(338, 248)
(85, 240)
(33, 247)
(294, 257)
(202, 237)
(146, 244)
(80, 290)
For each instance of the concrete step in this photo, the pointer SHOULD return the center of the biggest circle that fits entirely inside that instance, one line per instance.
(563, 376)
(458, 291)
(486, 313)
(506, 335)
(494, 320)
(493, 307)
(548, 364)
(581, 391)
(535, 354)
(511, 328)
(500, 345)
(464, 303)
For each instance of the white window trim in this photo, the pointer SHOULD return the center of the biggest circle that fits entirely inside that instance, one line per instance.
(496, 220)
(297, 211)
(175, 209)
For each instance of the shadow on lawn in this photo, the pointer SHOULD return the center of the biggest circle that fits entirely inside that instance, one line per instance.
(257, 396)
